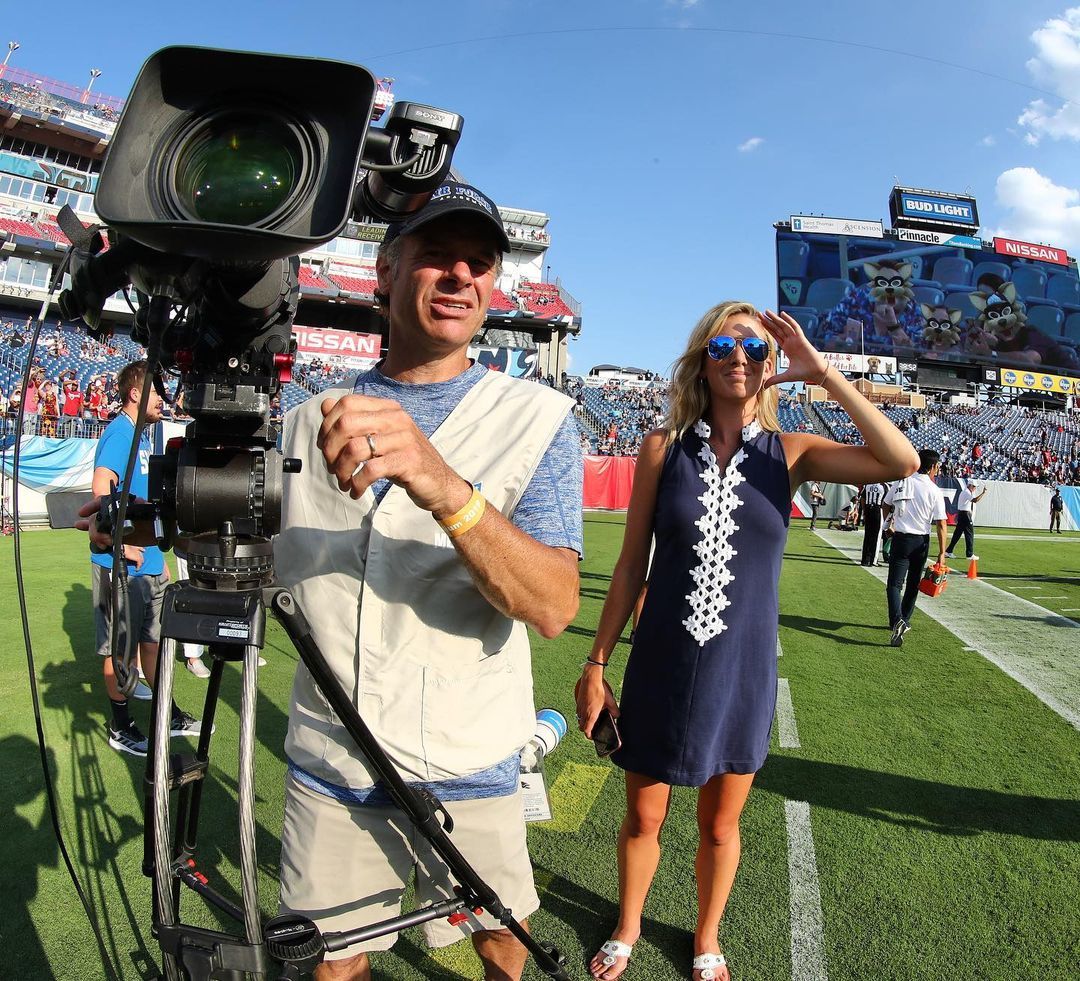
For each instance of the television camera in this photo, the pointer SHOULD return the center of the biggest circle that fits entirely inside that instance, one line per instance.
(223, 167)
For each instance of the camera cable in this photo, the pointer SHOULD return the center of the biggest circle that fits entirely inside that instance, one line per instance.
(50, 790)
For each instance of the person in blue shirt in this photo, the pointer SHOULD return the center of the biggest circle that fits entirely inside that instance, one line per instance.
(146, 569)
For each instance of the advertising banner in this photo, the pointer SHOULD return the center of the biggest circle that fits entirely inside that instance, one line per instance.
(1029, 250)
(358, 350)
(514, 361)
(943, 208)
(914, 207)
(1039, 381)
(871, 363)
(924, 237)
(836, 226)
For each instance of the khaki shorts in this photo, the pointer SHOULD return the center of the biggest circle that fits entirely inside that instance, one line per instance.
(346, 866)
(144, 595)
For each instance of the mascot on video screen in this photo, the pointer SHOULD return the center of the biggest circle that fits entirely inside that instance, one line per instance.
(941, 332)
(880, 316)
(1003, 317)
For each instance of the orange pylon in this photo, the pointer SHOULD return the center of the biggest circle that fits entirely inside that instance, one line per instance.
(973, 567)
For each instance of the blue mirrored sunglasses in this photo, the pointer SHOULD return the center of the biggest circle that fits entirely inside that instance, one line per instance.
(721, 347)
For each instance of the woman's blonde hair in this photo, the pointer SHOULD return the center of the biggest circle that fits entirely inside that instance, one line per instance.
(688, 396)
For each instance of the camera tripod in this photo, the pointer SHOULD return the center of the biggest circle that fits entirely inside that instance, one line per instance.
(224, 605)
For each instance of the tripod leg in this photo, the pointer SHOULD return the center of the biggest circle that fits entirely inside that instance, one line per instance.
(246, 797)
(420, 808)
(159, 762)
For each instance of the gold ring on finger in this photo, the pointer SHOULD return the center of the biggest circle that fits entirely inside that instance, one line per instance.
(371, 443)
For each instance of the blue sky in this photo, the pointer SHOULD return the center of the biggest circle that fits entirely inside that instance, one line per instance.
(663, 137)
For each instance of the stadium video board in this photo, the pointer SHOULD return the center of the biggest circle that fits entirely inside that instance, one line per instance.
(933, 296)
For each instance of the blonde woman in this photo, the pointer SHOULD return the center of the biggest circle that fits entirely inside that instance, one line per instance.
(714, 485)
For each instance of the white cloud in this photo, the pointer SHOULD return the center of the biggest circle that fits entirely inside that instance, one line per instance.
(988, 141)
(1035, 209)
(751, 144)
(682, 4)
(1055, 67)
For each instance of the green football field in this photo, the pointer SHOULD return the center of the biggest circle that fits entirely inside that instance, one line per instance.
(917, 818)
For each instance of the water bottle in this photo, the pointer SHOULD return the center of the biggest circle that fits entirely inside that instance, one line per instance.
(550, 728)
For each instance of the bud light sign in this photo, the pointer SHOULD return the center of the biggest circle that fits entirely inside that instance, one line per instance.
(920, 206)
(914, 208)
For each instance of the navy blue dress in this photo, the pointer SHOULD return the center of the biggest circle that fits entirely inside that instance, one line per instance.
(699, 692)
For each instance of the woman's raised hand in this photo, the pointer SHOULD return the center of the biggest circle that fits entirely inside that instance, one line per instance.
(805, 363)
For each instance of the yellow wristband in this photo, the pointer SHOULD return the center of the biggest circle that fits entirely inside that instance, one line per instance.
(461, 521)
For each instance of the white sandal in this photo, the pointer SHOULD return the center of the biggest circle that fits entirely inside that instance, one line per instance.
(612, 951)
(707, 964)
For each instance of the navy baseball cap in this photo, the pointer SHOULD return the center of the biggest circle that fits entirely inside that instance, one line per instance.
(453, 198)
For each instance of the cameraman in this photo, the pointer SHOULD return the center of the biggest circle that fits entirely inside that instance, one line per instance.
(445, 517)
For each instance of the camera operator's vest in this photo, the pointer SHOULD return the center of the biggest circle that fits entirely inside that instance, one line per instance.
(441, 677)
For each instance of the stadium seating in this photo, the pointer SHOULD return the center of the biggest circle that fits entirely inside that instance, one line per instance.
(807, 318)
(1030, 283)
(1047, 319)
(352, 284)
(824, 294)
(309, 277)
(824, 263)
(1065, 290)
(1072, 327)
(501, 303)
(953, 273)
(543, 299)
(962, 302)
(15, 227)
(793, 257)
(928, 295)
(999, 269)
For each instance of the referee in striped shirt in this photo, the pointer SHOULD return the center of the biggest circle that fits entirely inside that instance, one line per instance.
(870, 498)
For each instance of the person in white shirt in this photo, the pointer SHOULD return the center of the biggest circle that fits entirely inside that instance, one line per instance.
(965, 518)
(915, 504)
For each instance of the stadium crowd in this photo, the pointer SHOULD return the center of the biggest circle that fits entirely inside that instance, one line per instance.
(73, 393)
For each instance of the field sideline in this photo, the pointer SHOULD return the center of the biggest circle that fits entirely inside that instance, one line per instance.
(917, 818)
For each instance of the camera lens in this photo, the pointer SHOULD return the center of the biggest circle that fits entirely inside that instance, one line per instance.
(238, 168)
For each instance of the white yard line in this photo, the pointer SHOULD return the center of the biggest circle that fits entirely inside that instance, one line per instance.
(1028, 538)
(1032, 645)
(779, 649)
(786, 731)
(807, 934)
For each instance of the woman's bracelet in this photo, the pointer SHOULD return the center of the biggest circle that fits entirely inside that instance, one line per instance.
(821, 384)
(589, 660)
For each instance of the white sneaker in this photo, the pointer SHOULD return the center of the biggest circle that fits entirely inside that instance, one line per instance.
(262, 661)
(142, 692)
(197, 668)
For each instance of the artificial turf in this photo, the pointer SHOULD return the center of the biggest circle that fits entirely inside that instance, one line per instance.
(942, 794)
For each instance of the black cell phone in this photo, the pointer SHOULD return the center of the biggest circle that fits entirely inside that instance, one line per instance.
(605, 734)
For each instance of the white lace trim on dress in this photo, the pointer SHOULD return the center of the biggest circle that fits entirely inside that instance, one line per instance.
(717, 525)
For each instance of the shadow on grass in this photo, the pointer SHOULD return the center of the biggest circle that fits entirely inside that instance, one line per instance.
(592, 917)
(594, 575)
(917, 803)
(105, 825)
(25, 847)
(796, 557)
(583, 632)
(829, 628)
(1038, 580)
(1050, 620)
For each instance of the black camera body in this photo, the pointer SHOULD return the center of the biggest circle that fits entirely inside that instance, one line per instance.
(224, 166)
